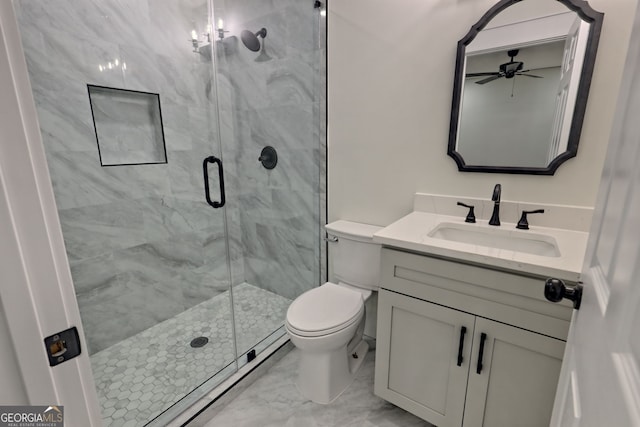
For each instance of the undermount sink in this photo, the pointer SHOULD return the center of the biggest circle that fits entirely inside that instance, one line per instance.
(512, 240)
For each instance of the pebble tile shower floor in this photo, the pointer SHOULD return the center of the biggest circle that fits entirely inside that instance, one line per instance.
(140, 377)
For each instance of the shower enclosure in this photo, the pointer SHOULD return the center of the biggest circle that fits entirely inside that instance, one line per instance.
(143, 105)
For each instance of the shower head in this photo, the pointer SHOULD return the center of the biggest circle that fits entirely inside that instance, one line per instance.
(250, 39)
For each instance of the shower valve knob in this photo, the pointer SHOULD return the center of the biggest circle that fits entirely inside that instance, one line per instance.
(268, 157)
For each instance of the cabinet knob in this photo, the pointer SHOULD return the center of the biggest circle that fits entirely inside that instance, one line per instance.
(555, 291)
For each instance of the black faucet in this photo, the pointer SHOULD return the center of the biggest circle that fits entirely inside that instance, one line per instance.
(523, 224)
(471, 216)
(495, 198)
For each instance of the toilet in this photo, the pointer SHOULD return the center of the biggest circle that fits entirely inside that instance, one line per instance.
(327, 323)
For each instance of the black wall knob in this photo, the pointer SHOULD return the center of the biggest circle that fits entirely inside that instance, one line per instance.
(555, 291)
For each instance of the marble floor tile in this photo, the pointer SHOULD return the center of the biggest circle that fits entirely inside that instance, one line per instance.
(274, 401)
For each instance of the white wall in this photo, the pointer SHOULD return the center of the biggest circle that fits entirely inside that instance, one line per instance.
(390, 72)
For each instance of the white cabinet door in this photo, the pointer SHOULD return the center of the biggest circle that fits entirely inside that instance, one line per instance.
(515, 382)
(417, 357)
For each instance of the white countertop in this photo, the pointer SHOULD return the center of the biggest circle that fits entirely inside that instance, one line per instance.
(412, 233)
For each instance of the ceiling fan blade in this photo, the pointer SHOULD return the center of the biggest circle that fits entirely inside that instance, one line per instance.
(495, 73)
(489, 79)
(530, 75)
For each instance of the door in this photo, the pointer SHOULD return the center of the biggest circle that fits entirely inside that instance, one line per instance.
(570, 72)
(427, 357)
(513, 376)
(36, 293)
(600, 378)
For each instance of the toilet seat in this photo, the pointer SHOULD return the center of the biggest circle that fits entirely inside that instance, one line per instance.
(324, 310)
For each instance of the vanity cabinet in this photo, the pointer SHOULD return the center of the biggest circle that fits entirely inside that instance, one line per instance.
(438, 318)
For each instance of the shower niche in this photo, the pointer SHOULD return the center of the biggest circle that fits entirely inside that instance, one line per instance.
(128, 126)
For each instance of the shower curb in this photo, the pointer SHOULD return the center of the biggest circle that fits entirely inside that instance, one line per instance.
(201, 412)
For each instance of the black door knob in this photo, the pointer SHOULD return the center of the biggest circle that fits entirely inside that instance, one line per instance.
(555, 291)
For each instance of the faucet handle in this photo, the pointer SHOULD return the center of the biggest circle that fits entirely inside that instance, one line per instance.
(471, 217)
(523, 224)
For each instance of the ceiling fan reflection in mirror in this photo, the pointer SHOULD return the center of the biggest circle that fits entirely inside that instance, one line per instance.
(507, 70)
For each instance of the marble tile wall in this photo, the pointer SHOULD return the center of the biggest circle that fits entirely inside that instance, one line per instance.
(278, 102)
(142, 243)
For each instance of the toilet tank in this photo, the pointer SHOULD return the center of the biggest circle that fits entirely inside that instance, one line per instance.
(354, 257)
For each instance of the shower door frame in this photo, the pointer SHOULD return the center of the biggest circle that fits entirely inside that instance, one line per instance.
(37, 292)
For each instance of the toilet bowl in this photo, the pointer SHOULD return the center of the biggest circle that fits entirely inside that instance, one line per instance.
(327, 323)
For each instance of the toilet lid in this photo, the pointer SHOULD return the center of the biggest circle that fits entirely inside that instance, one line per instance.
(326, 307)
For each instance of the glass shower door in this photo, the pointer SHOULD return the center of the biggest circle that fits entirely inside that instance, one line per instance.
(126, 105)
(269, 69)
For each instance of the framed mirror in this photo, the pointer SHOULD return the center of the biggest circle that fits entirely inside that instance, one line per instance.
(521, 84)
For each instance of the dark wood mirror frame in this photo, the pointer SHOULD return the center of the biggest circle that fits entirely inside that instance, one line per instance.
(587, 14)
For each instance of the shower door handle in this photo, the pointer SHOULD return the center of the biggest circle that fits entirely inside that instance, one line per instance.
(205, 170)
